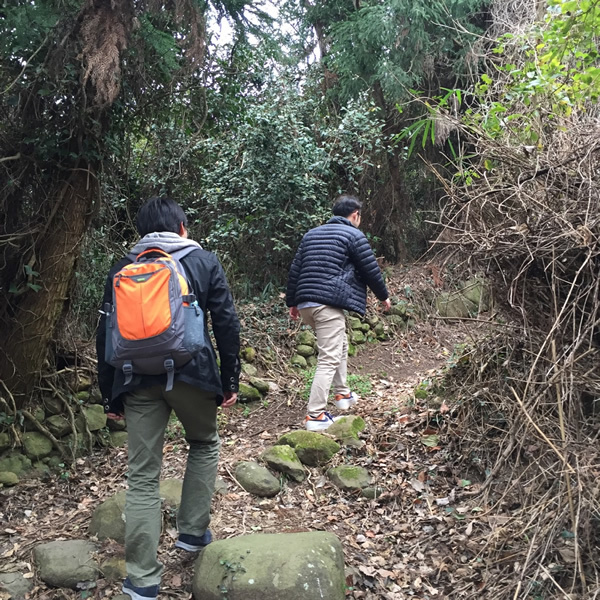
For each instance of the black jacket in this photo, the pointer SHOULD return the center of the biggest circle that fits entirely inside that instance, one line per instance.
(333, 266)
(209, 284)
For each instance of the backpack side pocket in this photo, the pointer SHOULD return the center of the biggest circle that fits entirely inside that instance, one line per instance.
(193, 337)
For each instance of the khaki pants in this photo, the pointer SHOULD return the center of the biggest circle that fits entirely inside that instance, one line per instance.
(329, 324)
(147, 412)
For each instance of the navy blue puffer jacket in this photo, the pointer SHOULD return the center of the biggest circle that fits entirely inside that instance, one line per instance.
(333, 266)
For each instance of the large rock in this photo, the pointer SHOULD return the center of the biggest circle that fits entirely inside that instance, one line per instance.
(294, 566)
(346, 430)
(312, 448)
(65, 564)
(257, 479)
(58, 425)
(347, 477)
(477, 291)
(306, 338)
(285, 460)
(455, 305)
(15, 585)
(95, 417)
(108, 520)
(36, 445)
(16, 463)
(247, 393)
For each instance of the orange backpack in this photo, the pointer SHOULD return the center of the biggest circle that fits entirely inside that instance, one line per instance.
(154, 324)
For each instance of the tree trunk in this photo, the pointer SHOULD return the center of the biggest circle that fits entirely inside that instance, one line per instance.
(390, 215)
(27, 332)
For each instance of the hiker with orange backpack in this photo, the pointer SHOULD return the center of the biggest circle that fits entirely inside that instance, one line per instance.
(330, 273)
(154, 357)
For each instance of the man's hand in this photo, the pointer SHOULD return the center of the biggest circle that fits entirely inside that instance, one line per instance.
(229, 399)
(115, 416)
(386, 304)
(294, 313)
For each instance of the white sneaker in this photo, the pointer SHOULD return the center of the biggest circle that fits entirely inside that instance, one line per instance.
(320, 423)
(345, 402)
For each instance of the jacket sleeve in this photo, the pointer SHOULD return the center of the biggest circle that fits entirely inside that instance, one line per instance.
(290, 295)
(106, 372)
(366, 264)
(226, 328)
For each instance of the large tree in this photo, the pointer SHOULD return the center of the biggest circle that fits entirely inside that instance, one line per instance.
(76, 76)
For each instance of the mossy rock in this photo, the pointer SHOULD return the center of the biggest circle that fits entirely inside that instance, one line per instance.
(379, 330)
(83, 396)
(354, 323)
(39, 414)
(36, 445)
(83, 383)
(346, 430)
(247, 393)
(396, 320)
(5, 441)
(358, 337)
(305, 351)
(454, 305)
(260, 384)
(351, 350)
(249, 354)
(312, 361)
(349, 478)
(118, 439)
(58, 425)
(306, 338)
(372, 320)
(365, 327)
(477, 291)
(95, 397)
(298, 361)
(16, 463)
(372, 492)
(285, 460)
(8, 478)
(114, 569)
(116, 424)
(53, 406)
(95, 417)
(399, 309)
(249, 369)
(313, 449)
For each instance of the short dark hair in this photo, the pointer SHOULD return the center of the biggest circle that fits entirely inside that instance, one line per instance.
(345, 205)
(160, 214)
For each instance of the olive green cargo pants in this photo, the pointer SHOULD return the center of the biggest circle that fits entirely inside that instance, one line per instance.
(147, 412)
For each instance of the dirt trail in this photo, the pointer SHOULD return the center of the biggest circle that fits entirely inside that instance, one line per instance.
(408, 543)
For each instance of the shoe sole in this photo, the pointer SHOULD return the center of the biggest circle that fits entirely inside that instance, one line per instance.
(344, 404)
(318, 427)
(135, 595)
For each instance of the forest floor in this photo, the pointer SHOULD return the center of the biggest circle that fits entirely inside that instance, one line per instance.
(420, 539)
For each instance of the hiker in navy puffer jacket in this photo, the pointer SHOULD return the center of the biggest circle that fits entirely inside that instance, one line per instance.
(330, 272)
